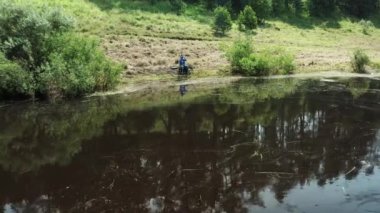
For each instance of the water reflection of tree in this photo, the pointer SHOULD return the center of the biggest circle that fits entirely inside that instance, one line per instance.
(38, 134)
(216, 154)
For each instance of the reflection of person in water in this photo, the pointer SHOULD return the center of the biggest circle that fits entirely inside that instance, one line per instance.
(182, 89)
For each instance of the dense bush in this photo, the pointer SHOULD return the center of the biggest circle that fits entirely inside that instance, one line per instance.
(268, 62)
(23, 32)
(14, 81)
(222, 21)
(42, 56)
(247, 19)
(239, 50)
(359, 60)
(76, 66)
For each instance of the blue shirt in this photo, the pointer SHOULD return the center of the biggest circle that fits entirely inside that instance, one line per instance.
(182, 61)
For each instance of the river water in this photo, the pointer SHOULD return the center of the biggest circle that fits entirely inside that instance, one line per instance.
(280, 145)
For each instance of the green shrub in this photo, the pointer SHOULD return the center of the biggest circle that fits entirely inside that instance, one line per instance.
(359, 61)
(245, 61)
(24, 30)
(367, 26)
(14, 81)
(247, 19)
(239, 50)
(255, 65)
(51, 60)
(76, 66)
(222, 22)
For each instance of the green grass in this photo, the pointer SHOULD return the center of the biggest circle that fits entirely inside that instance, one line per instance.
(317, 44)
(376, 65)
(134, 18)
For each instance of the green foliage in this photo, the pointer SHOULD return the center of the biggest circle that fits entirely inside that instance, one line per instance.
(262, 9)
(268, 62)
(46, 58)
(361, 9)
(322, 8)
(222, 21)
(367, 26)
(14, 81)
(298, 6)
(359, 61)
(239, 50)
(247, 19)
(375, 64)
(76, 66)
(178, 6)
(278, 7)
(23, 32)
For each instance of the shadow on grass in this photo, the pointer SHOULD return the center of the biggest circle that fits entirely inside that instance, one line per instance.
(303, 22)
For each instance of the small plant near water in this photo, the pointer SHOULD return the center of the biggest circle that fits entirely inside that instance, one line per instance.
(247, 19)
(245, 61)
(222, 21)
(359, 60)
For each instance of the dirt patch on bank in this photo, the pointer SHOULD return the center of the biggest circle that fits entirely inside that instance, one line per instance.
(145, 55)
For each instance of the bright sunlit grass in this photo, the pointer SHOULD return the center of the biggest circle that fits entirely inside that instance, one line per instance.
(311, 40)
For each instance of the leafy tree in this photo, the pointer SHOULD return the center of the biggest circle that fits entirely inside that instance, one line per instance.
(247, 19)
(298, 6)
(42, 56)
(278, 7)
(209, 4)
(322, 8)
(262, 9)
(222, 21)
(178, 5)
(23, 32)
(361, 9)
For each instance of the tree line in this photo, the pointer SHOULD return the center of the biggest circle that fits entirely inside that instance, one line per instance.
(316, 8)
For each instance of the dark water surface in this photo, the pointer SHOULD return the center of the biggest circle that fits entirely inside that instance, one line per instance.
(282, 145)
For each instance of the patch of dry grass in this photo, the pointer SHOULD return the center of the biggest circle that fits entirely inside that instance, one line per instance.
(159, 55)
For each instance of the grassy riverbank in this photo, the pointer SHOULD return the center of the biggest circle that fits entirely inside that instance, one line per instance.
(147, 38)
